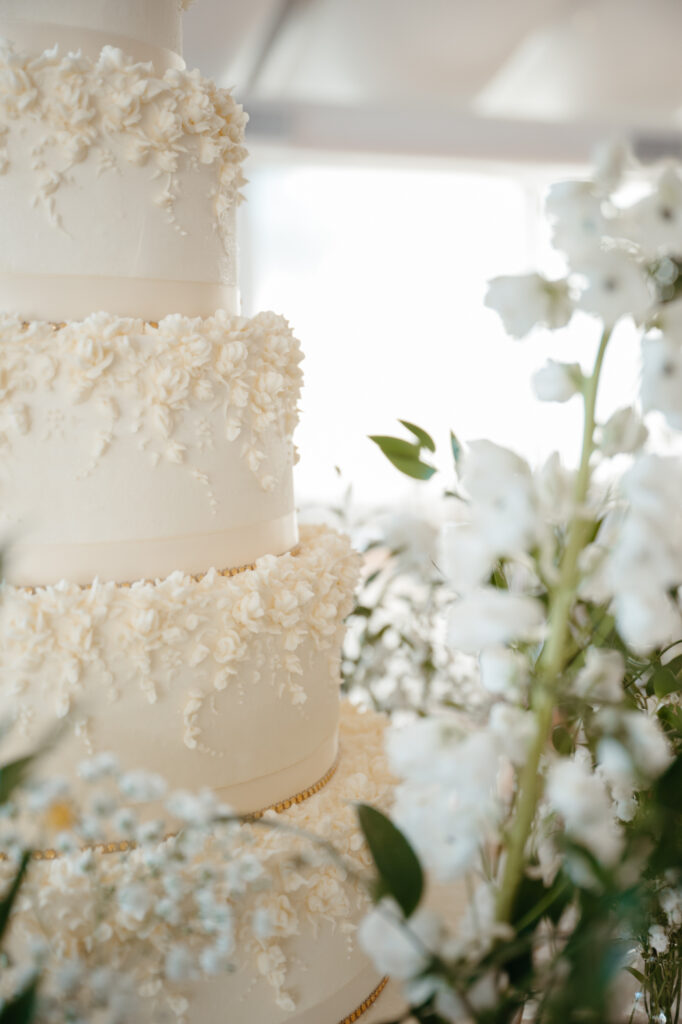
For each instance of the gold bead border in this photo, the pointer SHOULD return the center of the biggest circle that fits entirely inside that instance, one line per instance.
(366, 1005)
(126, 845)
(196, 577)
(299, 798)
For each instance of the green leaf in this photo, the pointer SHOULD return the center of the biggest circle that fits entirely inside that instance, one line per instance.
(13, 774)
(362, 611)
(7, 902)
(664, 682)
(636, 974)
(22, 1009)
(456, 448)
(675, 666)
(562, 741)
(400, 873)
(668, 788)
(405, 456)
(424, 439)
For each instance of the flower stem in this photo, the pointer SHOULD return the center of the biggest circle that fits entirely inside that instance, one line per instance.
(551, 661)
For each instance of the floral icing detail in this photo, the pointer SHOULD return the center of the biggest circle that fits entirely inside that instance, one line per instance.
(85, 106)
(266, 624)
(160, 374)
(258, 897)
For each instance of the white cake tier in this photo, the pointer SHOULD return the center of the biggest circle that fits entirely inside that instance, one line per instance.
(118, 186)
(146, 29)
(228, 682)
(130, 450)
(303, 967)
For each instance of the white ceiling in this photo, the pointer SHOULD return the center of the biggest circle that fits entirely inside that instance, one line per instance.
(417, 75)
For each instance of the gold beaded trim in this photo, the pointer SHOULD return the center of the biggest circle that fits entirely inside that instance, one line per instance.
(366, 1005)
(126, 845)
(305, 794)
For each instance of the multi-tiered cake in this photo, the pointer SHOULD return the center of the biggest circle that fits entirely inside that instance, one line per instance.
(159, 599)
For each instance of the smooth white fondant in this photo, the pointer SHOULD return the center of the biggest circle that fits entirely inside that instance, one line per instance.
(34, 564)
(58, 298)
(114, 432)
(154, 22)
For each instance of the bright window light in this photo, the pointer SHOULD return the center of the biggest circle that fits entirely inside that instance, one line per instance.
(382, 272)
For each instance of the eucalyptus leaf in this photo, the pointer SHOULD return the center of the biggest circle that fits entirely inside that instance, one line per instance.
(664, 682)
(424, 439)
(405, 456)
(562, 741)
(400, 873)
(456, 448)
(362, 611)
(7, 902)
(21, 1010)
(13, 774)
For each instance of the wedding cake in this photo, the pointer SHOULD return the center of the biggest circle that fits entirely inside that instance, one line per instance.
(160, 600)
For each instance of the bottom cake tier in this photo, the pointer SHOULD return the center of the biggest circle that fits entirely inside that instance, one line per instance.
(246, 923)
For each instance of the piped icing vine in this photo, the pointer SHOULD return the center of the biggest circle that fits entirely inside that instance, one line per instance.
(84, 106)
(149, 380)
(65, 644)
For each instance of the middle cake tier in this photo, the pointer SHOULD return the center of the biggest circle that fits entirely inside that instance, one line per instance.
(132, 449)
(226, 681)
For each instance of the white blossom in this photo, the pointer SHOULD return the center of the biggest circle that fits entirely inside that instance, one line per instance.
(503, 672)
(500, 485)
(581, 798)
(616, 767)
(526, 301)
(399, 948)
(601, 677)
(488, 617)
(654, 223)
(449, 808)
(623, 433)
(135, 900)
(99, 767)
(614, 286)
(179, 965)
(194, 808)
(142, 786)
(658, 939)
(557, 382)
(514, 729)
(661, 387)
(464, 556)
(577, 214)
(649, 748)
(671, 905)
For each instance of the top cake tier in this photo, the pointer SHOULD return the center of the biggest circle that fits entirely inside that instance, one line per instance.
(119, 177)
(146, 29)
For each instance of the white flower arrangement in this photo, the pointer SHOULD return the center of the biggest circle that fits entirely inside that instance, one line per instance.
(561, 805)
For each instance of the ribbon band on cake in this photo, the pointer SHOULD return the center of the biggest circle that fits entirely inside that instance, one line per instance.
(62, 297)
(125, 561)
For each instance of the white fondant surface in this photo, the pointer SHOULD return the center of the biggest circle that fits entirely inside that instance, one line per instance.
(154, 22)
(131, 450)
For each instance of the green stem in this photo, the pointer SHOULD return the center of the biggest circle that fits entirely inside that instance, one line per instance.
(551, 662)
